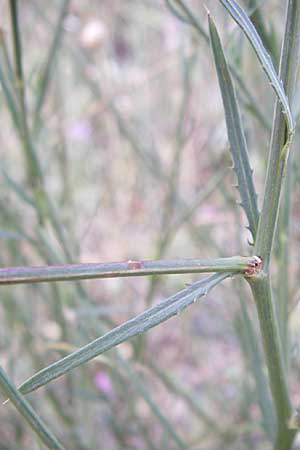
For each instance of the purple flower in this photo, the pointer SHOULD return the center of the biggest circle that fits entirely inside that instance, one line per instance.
(80, 130)
(103, 382)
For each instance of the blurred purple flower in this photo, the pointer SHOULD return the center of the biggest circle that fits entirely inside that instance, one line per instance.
(103, 382)
(80, 130)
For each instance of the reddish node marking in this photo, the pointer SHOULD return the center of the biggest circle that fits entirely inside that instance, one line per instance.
(134, 265)
(254, 266)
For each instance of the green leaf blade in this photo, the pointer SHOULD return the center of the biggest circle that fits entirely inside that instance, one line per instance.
(141, 323)
(235, 131)
(243, 21)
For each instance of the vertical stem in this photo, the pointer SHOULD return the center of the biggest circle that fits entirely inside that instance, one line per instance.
(261, 289)
(277, 157)
(282, 257)
(260, 285)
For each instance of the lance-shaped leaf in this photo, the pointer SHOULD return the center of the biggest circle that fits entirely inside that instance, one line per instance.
(235, 131)
(25, 409)
(250, 32)
(186, 15)
(140, 324)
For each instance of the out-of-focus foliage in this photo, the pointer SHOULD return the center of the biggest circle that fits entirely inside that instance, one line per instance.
(126, 120)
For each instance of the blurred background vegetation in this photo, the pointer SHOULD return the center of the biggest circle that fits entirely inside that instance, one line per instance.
(126, 121)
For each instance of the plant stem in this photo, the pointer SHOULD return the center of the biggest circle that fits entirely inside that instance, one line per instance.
(261, 289)
(25, 274)
(260, 285)
(281, 251)
(277, 155)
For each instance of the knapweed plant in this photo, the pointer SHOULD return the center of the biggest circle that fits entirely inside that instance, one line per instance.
(267, 222)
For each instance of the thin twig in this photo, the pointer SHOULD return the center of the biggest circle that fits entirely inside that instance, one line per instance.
(25, 274)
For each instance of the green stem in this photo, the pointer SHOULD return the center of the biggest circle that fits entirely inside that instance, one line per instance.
(260, 285)
(283, 261)
(25, 274)
(261, 289)
(279, 141)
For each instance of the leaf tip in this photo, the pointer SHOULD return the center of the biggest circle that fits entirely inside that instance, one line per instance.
(207, 11)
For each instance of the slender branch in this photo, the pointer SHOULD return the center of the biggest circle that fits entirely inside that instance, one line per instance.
(33, 168)
(47, 70)
(237, 264)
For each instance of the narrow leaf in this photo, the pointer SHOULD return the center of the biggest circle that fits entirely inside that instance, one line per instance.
(25, 409)
(140, 324)
(185, 14)
(250, 32)
(236, 135)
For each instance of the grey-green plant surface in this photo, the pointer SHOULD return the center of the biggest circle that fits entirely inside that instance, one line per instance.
(102, 159)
